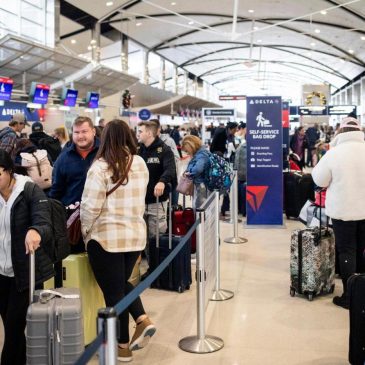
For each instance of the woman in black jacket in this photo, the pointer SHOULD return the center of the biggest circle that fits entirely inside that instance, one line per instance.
(25, 226)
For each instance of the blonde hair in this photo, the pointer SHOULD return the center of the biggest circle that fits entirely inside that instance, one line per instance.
(193, 142)
(62, 132)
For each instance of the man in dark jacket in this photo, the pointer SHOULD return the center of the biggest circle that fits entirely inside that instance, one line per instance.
(313, 135)
(70, 170)
(160, 162)
(45, 142)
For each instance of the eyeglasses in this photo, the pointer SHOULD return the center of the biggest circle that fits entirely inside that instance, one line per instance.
(22, 123)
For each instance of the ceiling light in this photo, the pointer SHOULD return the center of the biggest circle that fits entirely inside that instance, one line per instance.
(191, 22)
(93, 41)
(313, 44)
(73, 41)
(317, 31)
(255, 28)
(173, 3)
(363, 38)
(259, 40)
(323, 12)
(138, 24)
(251, 11)
(351, 51)
(342, 61)
(109, 3)
(89, 48)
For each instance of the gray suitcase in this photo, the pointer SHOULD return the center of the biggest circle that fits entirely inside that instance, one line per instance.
(54, 329)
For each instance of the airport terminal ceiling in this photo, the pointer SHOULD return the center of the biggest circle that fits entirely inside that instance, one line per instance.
(239, 46)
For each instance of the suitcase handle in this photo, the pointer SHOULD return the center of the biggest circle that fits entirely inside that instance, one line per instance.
(31, 276)
(169, 186)
(48, 294)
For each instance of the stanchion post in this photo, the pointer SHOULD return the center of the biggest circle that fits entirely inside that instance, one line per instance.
(218, 294)
(234, 205)
(201, 343)
(107, 323)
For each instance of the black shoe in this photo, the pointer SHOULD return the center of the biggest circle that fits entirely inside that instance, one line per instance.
(341, 301)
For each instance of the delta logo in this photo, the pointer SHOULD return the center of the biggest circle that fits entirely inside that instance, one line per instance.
(255, 196)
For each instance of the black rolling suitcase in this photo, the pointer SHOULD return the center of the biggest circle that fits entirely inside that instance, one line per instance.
(177, 276)
(298, 188)
(356, 290)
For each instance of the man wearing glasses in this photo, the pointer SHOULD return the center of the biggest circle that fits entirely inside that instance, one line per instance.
(8, 135)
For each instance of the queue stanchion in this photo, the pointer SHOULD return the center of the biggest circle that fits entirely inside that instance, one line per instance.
(219, 294)
(202, 343)
(107, 323)
(234, 209)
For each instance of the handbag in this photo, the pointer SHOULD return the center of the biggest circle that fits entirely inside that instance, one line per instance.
(185, 185)
(74, 222)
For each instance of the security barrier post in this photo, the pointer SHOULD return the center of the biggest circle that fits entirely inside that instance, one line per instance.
(107, 323)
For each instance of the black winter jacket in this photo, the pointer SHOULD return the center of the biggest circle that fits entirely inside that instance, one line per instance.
(160, 161)
(24, 215)
(219, 142)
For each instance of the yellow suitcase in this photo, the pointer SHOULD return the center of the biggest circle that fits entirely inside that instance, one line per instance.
(77, 273)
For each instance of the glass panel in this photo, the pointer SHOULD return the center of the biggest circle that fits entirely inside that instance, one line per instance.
(32, 13)
(37, 51)
(6, 54)
(38, 3)
(25, 62)
(15, 44)
(32, 30)
(9, 21)
(46, 66)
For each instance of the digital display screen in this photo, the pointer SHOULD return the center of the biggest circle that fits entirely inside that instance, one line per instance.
(6, 87)
(39, 93)
(92, 100)
(69, 97)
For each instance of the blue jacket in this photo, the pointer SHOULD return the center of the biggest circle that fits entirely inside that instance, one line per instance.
(69, 174)
(198, 165)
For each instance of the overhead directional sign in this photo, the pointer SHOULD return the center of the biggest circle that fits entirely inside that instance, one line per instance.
(341, 109)
(219, 112)
(232, 97)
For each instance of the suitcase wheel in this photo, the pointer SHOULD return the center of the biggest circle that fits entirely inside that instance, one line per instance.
(292, 292)
(332, 289)
(180, 289)
(310, 297)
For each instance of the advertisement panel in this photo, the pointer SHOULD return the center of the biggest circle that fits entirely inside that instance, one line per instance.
(264, 161)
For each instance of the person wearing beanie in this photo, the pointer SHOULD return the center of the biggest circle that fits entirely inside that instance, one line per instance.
(339, 170)
(37, 133)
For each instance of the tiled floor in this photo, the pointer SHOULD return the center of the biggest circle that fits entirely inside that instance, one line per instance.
(262, 324)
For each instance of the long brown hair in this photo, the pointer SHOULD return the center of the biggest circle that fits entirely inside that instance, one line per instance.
(117, 147)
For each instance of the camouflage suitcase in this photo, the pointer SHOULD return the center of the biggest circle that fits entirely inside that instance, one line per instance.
(312, 262)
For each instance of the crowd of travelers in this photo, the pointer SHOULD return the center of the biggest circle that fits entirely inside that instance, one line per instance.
(116, 175)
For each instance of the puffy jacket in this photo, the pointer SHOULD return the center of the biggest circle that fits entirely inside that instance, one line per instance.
(69, 174)
(160, 162)
(341, 170)
(24, 215)
(198, 165)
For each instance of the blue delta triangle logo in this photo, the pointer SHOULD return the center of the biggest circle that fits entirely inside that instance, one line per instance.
(255, 195)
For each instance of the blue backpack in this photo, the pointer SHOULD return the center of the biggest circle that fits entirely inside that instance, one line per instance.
(220, 174)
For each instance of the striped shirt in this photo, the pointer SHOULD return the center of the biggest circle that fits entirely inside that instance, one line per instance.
(116, 221)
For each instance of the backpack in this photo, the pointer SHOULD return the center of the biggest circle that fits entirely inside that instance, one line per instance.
(51, 145)
(59, 248)
(38, 167)
(219, 175)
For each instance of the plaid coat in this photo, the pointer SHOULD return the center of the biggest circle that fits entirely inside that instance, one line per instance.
(116, 221)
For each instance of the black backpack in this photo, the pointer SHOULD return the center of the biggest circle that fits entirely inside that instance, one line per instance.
(59, 248)
(51, 145)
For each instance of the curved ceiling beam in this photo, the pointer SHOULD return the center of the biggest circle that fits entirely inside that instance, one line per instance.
(287, 77)
(330, 70)
(346, 8)
(317, 77)
(276, 47)
(285, 63)
(239, 20)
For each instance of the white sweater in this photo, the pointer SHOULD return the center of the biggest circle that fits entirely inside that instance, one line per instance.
(342, 170)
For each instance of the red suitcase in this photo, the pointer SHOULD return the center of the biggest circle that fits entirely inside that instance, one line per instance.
(182, 220)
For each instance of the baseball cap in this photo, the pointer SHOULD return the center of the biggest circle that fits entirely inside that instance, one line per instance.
(18, 118)
(350, 122)
(37, 127)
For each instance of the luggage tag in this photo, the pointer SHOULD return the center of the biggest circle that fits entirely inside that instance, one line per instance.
(47, 295)
(314, 222)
